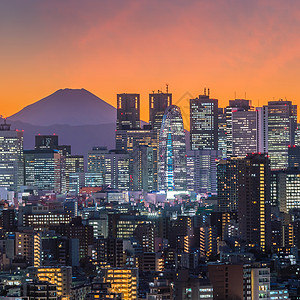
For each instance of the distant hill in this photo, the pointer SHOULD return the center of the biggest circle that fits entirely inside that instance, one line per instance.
(67, 106)
(78, 117)
(81, 138)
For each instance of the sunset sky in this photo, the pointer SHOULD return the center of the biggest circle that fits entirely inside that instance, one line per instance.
(110, 47)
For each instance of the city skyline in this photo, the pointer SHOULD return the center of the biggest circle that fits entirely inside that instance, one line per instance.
(243, 48)
(149, 150)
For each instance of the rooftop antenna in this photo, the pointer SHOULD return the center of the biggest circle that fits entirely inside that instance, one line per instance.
(204, 91)
(208, 92)
(167, 88)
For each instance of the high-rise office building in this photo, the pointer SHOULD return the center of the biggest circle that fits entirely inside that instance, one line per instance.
(204, 123)
(127, 140)
(117, 170)
(11, 158)
(244, 132)
(297, 135)
(253, 191)
(111, 165)
(227, 171)
(47, 142)
(294, 157)
(262, 129)
(246, 128)
(142, 169)
(202, 170)
(282, 122)
(43, 142)
(222, 135)
(285, 189)
(172, 151)
(234, 106)
(74, 164)
(45, 169)
(135, 142)
(158, 103)
(96, 160)
(128, 111)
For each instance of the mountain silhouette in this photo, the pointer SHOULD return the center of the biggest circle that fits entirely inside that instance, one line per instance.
(78, 117)
(67, 106)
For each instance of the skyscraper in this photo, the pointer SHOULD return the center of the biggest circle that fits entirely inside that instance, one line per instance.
(96, 160)
(244, 132)
(142, 169)
(128, 111)
(74, 164)
(227, 171)
(246, 128)
(133, 141)
(127, 140)
(43, 142)
(244, 186)
(172, 151)
(202, 170)
(262, 129)
(204, 123)
(112, 166)
(253, 191)
(285, 189)
(234, 106)
(158, 103)
(222, 135)
(45, 169)
(294, 157)
(11, 157)
(282, 119)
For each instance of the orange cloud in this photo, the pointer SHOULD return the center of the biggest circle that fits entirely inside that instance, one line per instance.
(110, 47)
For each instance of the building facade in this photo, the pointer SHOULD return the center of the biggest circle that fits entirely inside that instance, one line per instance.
(172, 151)
(128, 111)
(204, 123)
(282, 122)
(11, 158)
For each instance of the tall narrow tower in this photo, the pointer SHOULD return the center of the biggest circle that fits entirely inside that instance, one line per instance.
(204, 123)
(11, 158)
(282, 119)
(172, 152)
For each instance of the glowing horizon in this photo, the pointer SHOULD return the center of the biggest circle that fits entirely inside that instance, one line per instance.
(232, 47)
